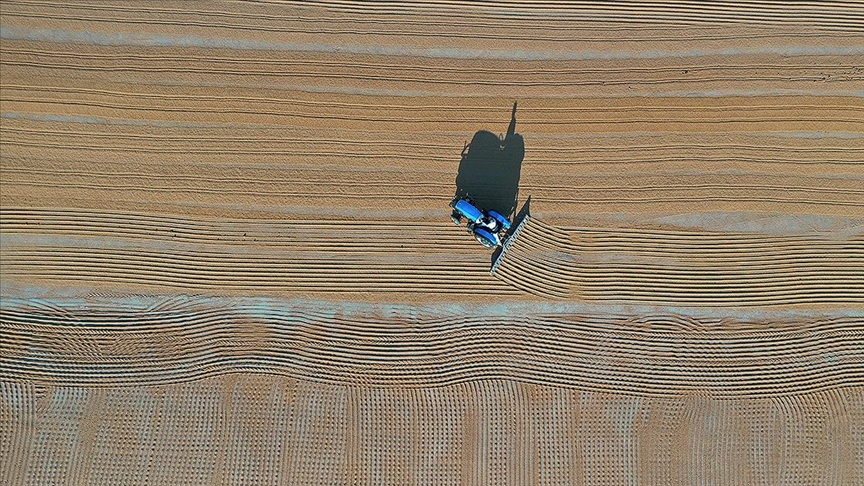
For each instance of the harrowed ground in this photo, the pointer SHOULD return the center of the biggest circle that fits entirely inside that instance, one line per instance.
(227, 258)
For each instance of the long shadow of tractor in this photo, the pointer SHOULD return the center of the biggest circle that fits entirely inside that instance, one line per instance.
(487, 186)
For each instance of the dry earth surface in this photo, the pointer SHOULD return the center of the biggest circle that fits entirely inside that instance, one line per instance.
(226, 254)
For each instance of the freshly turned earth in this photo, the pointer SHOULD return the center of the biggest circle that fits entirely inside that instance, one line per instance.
(227, 256)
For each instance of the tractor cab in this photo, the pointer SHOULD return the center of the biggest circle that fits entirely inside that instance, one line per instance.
(486, 226)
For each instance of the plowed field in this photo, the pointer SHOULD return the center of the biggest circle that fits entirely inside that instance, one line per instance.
(226, 256)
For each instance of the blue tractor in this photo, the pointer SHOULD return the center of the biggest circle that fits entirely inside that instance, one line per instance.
(486, 226)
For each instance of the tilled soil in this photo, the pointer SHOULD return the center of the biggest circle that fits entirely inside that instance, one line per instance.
(227, 258)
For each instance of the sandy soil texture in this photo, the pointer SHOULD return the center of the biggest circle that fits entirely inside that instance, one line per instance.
(226, 256)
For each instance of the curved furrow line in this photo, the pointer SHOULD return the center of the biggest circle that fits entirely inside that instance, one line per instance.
(675, 241)
(807, 339)
(767, 274)
(548, 262)
(450, 349)
(358, 117)
(594, 271)
(152, 178)
(817, 158)
(625, 232)
(576, 155)
(301, 242)
(744, 259)
(335, 236)
(461, 354)
(435, 196)
(175, 127)
(194, 224)
(480, 10)
(465, 368)
(704, 299)
(209, 269)
(45, 348)
(329, 287)
(540, 112)
(302, 270)
(741, 255)
(304, 28)
(28, 175)
(532, 282)
(630, 152)
(537, 260)
(699, 116)
(376, 148)
(643, 11)
(431, 192)
(316, 68)
(523, 280)
(687, 283)
(721, 296)
(593, 156)
(566, 82)
(385, 156)
(210, 138)
(189, 312)
(595, 381)
(308, 246)
(629, 241)
(547, 235)
(681, 14)
(636, 241)
(225, 149)
(315, 195)
(361, 276)
(704, 269)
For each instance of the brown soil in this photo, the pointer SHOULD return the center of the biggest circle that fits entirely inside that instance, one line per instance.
(226, 254)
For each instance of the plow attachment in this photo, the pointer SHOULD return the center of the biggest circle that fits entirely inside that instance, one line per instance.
(508, 242)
